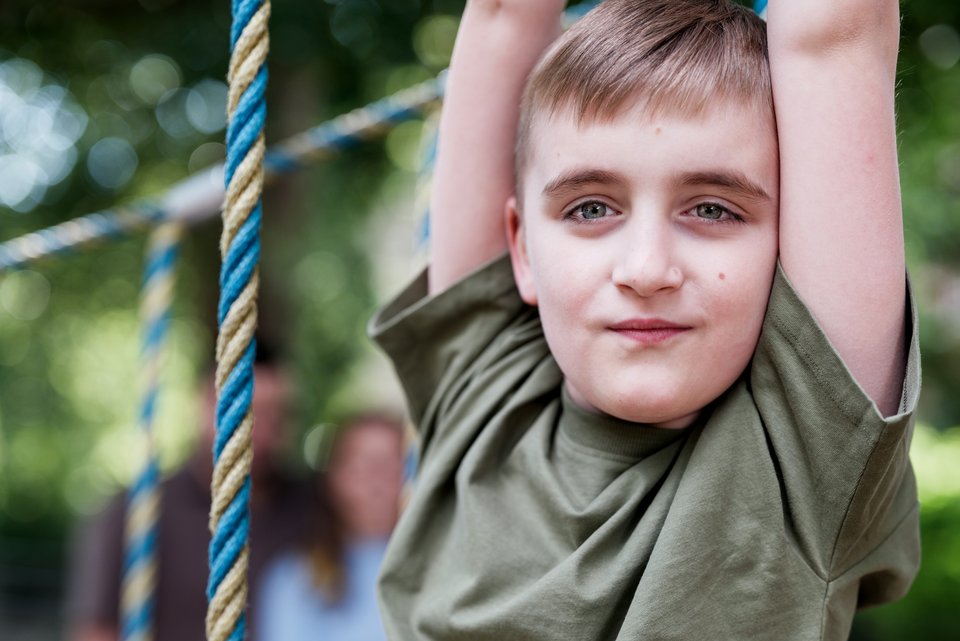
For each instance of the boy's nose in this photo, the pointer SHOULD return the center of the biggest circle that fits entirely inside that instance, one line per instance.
(648, 266)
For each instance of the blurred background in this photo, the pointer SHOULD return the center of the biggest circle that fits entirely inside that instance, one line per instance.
(107, 101)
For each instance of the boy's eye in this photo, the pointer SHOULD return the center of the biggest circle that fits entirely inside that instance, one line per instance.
(715, 212)
(710, 211)
(593, 210)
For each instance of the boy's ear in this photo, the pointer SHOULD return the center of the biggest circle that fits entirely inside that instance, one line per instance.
(519, 258)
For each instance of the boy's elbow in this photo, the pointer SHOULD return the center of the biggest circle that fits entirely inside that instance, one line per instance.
(517, 9)
(492, 6)
(828, 27)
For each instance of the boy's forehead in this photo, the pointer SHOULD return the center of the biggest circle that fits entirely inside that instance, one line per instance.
(728, 133)
(709, 114)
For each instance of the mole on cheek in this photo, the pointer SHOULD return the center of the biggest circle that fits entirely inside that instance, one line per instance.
(723, 276)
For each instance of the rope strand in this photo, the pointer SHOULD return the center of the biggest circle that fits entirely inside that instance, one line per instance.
(237, 315)
(140, 531)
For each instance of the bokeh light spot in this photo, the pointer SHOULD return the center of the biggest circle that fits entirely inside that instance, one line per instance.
(433, 40)
(19, 178)
(112, 162)
(25, 294)
(316, 445)
(171, 113)
(403, 145)
(39, 127)
(205, 155)
(941, 45)
(207, 106)
(152, 77)
(22, 76)
(351, 26)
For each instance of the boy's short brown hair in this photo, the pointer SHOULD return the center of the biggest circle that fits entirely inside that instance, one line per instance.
(660, 55)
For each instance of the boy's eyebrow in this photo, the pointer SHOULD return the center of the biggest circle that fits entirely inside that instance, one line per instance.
(572, 180)
(731, 180)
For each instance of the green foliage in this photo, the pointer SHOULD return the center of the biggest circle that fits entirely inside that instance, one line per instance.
(929, 610)
(928, 92)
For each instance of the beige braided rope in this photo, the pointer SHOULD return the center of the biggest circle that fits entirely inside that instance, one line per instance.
(138, 582)
(232, 468)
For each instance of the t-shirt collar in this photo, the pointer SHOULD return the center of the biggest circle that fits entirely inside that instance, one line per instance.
(612, 435)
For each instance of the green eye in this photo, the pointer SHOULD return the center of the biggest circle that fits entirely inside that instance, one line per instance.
(710, 211)
(593, 210)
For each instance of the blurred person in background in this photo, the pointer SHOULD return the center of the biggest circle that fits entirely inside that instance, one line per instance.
(284, 512)
(328, 589)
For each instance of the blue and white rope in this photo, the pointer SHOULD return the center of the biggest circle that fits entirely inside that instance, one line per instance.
(760, 6)
(421, 197)
(237, 316)
(58, 239)
(140, 531)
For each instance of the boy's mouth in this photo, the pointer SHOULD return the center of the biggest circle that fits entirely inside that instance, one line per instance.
(649, 331)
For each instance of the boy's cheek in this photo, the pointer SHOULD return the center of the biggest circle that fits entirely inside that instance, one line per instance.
(741, 306)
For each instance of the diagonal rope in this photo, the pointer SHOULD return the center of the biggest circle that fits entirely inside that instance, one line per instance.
(140, 530)
(237, 315)
(79, 232)
(200, 196)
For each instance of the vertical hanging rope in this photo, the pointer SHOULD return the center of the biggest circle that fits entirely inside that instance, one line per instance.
(421, 197)
(237, 315)
(760, 6)
(421, 205)
(140, 531)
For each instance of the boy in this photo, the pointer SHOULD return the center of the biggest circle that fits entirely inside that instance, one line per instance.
(684, 413)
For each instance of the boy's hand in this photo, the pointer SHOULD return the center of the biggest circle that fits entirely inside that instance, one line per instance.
(498, 44)
(833, 65)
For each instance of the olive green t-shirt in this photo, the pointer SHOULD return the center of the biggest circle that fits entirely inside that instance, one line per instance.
(789, 504)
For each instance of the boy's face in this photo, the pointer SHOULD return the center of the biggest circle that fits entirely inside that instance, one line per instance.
(649, 245)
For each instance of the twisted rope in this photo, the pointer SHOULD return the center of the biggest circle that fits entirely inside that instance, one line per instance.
(421, 197)
(140, 531)
(78, 232)
(760, 6)
(237, 315)
(421, 205)
(200, 196)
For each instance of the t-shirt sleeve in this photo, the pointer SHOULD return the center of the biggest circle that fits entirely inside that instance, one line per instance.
(849, 492)
(437, 343)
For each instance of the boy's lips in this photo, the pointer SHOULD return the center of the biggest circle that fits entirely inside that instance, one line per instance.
(648, 331)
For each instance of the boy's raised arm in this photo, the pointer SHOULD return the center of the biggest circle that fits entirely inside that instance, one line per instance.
(833, 65)
(498, 44)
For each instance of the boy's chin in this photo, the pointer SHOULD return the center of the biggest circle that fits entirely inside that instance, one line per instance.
(666, 413)
(676, 420)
